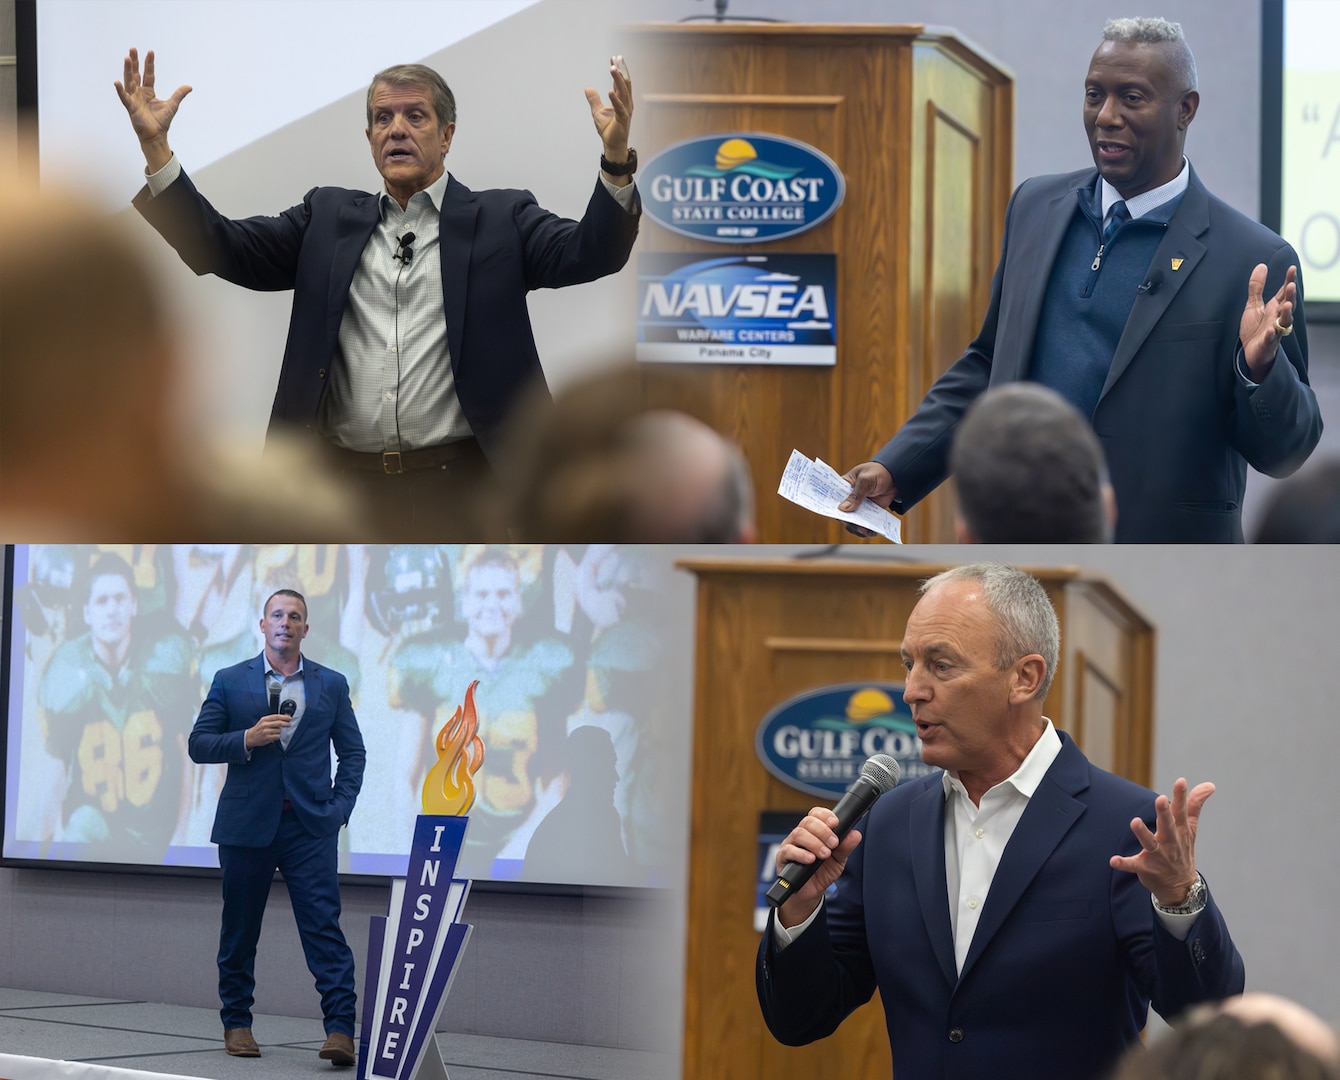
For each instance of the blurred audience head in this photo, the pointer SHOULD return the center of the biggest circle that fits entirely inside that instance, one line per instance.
(92, 445)
(1250, 1037)
(86, 368)
(1305, 509)
(595, 466)
(1029, 469)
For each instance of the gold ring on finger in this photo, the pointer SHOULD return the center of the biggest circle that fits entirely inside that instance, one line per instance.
(1282, 330)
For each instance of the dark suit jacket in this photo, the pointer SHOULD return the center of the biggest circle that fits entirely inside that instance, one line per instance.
(254, 792)
(1065, 961)
(496, 246)
(1177, 425)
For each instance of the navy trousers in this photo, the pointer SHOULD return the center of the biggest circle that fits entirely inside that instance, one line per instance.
(310, 865)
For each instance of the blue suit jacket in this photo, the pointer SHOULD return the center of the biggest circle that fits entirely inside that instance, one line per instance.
(496, 246)
(255, 790)
(1178, 427)
(1067, 956)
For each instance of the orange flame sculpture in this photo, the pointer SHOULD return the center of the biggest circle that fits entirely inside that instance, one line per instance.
(449, 788)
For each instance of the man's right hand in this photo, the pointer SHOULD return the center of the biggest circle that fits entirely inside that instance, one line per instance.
(869, 480)
(814, 839)
(267, 730)
(150, 116)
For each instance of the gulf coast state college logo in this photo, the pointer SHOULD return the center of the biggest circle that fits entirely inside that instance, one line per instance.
(741, 188)
(817, 741)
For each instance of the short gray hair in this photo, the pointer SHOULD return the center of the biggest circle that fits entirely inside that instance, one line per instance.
(421, 77)
(1155, 31)
(1025, 619)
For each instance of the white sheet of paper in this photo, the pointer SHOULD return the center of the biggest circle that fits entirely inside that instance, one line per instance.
(818, 487)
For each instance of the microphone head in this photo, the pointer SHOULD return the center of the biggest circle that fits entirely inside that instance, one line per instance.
(882, 771)
(406, 240)
(288, 707)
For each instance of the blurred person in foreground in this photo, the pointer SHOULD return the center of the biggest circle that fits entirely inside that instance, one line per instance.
(409, 340)
(594, 466)
(1018, 912)
(1256, 1036)
(1030, 470)
(92, 442)
(1305, 509)
(1169, 319)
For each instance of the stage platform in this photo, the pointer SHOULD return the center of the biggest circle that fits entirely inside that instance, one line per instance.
(189, 1042)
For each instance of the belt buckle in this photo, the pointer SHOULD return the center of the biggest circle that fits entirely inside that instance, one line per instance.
(391, 463)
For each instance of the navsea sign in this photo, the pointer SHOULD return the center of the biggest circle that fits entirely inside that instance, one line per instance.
(817, 741)
(737, 309)
(741, 188)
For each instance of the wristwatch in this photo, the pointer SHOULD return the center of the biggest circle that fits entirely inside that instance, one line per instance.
(1194, 902)
(620, 168)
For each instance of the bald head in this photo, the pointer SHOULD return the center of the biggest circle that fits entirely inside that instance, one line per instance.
(1295, 1022)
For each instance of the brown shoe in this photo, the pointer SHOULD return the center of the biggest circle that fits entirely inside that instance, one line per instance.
(339, 1049)
(239, 1043)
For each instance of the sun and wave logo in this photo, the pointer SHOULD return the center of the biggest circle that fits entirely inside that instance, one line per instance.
(818, 741)
(741, 188)
(449, 788)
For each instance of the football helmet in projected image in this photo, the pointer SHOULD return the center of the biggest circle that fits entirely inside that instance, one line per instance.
(410, 592)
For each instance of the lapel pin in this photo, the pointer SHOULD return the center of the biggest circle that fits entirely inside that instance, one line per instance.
(1177, 263)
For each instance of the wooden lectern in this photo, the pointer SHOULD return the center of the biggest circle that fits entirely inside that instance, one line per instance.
(921, 126)
(769, 629)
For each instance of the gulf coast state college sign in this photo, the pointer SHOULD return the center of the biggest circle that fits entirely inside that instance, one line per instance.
(817, 741)
(741, 187)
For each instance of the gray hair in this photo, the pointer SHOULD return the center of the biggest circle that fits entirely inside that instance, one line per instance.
(1155, 31)
(1025, 619)
(420, 77)
(1029, 469)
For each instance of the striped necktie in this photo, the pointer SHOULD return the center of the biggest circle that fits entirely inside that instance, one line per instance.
(1116, 218)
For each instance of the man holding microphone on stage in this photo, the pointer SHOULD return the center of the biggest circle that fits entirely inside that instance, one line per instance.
(1018, 912)
(274, 720)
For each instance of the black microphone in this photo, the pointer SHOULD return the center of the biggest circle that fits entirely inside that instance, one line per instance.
(1152, 283)
(404, 252)
(878, 775)
(274, 696)
(289, 707)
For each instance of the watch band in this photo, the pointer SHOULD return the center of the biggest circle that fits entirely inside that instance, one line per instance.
(620, 168)
(1194, 902)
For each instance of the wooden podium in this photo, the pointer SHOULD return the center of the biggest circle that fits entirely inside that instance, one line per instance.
(769, 629)
(921, 126)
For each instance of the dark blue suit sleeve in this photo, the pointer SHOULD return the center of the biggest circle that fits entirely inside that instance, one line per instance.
(348, 743)
(1278, 424)
(256, 252)
(917, 457)
(213, 739)
(559, 251)
(807, 989)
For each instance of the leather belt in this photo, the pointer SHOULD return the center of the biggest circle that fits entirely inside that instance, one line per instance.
(396, 462)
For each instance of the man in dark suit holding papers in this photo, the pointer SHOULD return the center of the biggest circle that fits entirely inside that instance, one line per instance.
(274, 720)
(1172, 322)
(1018, 912)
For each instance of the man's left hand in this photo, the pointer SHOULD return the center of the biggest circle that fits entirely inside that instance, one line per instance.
(614, 120)
(1166, 863)
(1265, 323)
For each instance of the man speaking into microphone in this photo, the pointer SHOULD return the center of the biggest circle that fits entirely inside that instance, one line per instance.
(279, 809)
(1018, 912)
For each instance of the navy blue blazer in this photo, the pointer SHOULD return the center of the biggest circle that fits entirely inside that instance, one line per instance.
(1067, 956)
(1178, 427)
(254, 791)
(496, 246)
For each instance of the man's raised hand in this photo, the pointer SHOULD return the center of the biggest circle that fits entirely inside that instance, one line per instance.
(614, 120)
(150, 115)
